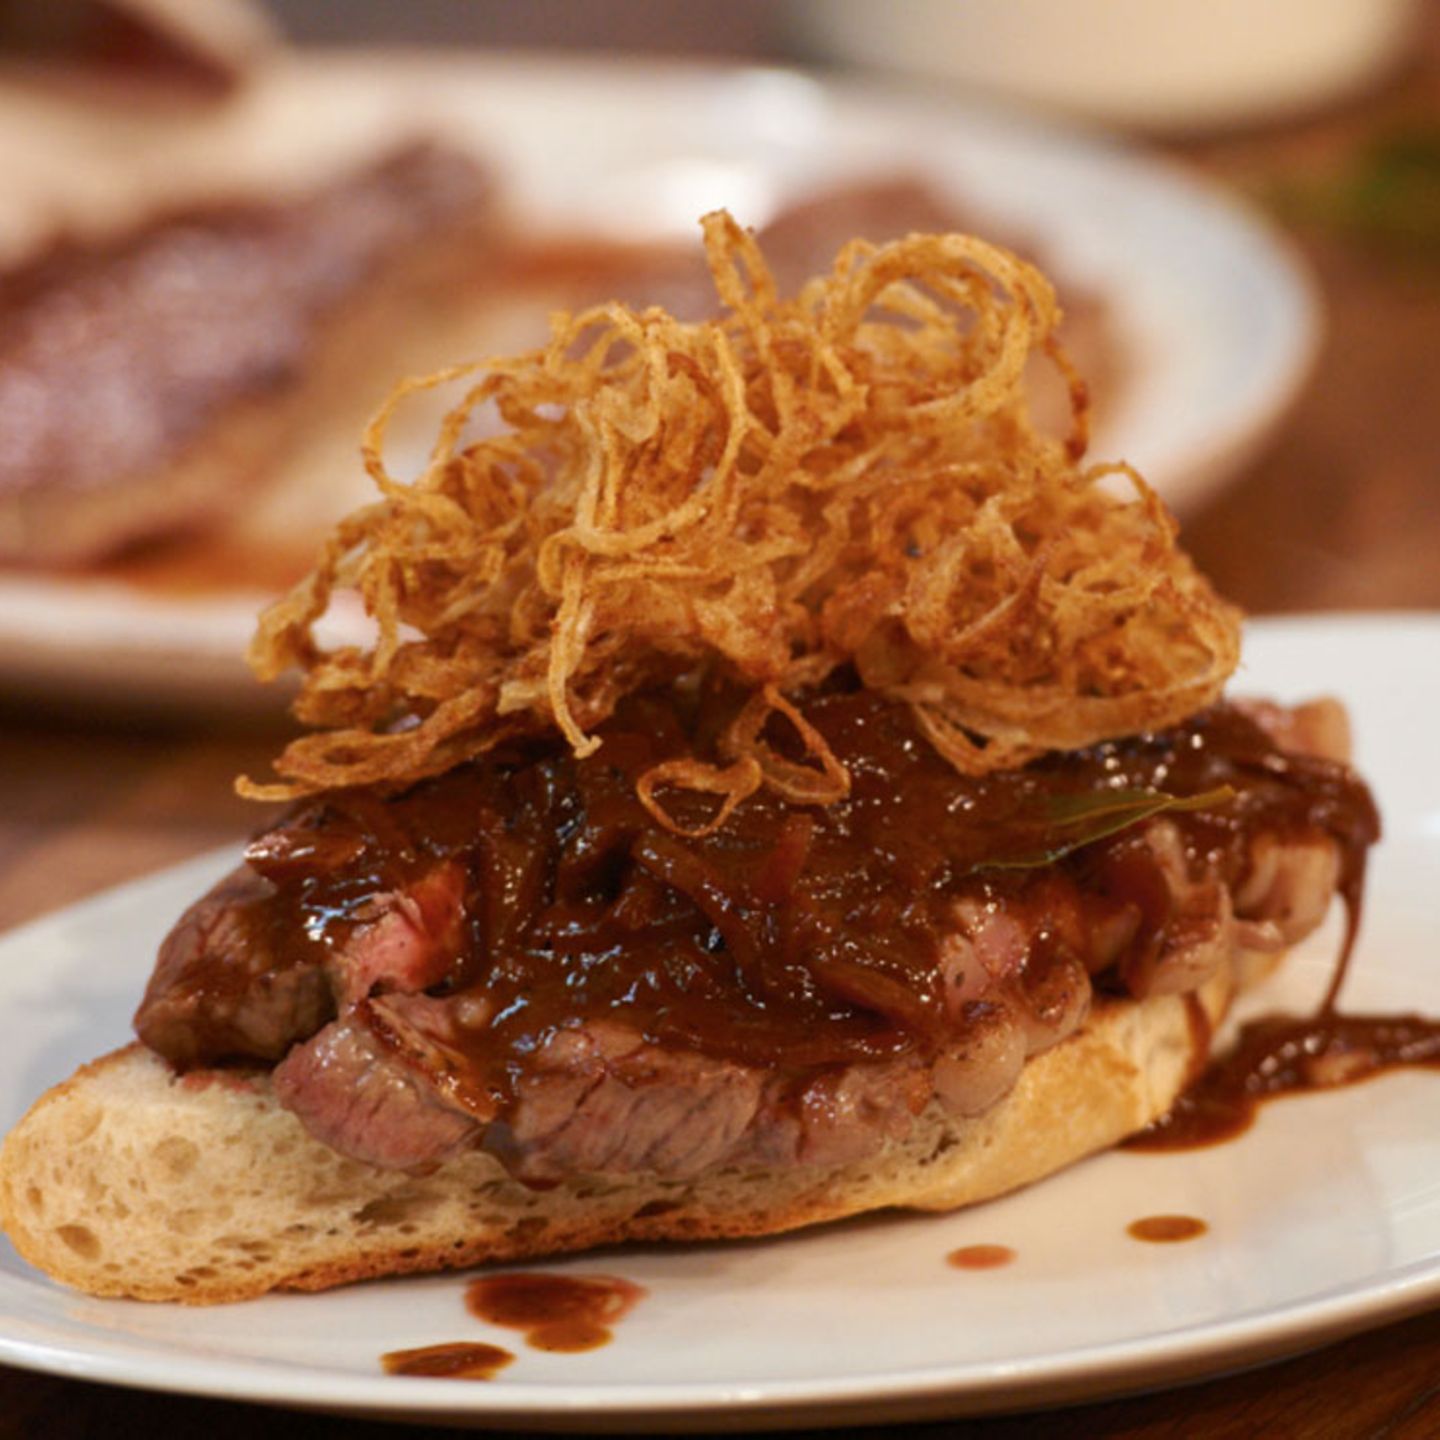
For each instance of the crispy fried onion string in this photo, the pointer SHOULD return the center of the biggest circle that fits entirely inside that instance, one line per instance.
(848, 477)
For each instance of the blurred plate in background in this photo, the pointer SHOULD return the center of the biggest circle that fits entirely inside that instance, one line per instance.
(1211, 323)
(1324, 1219)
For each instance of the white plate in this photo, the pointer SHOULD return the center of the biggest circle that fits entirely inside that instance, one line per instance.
(1324, 1219)
(1214, 322)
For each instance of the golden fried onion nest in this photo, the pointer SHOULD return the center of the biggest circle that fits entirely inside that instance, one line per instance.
(846, 477)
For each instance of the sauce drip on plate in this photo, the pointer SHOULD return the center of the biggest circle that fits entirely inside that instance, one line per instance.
(1286, 1055)
(980, 1257)
(1167, 1229)
(458, 1361)
(562, 1313)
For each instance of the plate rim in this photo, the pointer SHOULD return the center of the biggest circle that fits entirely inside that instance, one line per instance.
(1111, 1370)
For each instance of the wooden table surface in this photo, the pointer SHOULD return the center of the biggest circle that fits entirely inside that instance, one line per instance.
(1341, 511)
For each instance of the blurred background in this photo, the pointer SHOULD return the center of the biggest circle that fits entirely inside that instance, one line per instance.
(228, 227)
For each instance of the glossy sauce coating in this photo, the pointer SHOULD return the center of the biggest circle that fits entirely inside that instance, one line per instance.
(458, 1361)
(794, 936)
(561, 1313)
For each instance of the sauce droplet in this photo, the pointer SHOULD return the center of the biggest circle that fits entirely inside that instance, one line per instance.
(448, 1362)
(980, 1257)
(560, 1313)
(1166, 1229)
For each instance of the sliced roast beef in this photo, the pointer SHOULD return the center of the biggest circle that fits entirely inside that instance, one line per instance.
(221, 989)
(985, 1059)
(600, 1100)
(1318, 727)
(597, 1098)
(362, 1097)
(1290, 886)
(405, 940)
(516, 955)
(244, 976)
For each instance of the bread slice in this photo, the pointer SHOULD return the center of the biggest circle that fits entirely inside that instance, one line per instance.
(130, 1180)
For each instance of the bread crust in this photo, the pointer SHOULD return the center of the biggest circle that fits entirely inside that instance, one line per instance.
(128, 1180)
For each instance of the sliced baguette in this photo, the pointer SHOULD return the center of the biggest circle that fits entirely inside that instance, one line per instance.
(128, 1180)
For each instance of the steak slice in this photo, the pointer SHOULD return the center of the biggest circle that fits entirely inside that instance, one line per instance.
(597, 1098)
(601, 1100)
(242, 978)
(356, 1093)
(404, 940)
(221, 991)
(514, 957)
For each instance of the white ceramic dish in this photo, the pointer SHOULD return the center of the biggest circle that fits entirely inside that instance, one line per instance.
(1215, 323)
(1324, 1219)
(1183, 66)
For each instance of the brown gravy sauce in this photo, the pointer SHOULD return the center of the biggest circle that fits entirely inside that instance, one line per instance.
(458, 1361)
(1287, 1055)
(560, 1313)
(741, 945)
(1166, 1229)
(980, 1257)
